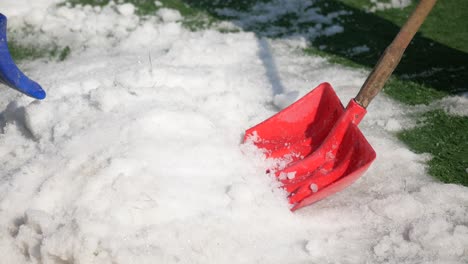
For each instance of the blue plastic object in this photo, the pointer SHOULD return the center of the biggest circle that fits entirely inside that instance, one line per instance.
(10, 75)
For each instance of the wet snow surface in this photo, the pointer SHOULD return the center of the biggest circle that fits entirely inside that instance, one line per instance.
(135, 155)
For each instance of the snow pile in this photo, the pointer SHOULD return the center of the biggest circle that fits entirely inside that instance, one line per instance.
(80, 27)
(135, 155)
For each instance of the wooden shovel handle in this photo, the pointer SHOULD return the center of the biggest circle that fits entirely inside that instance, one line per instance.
(392, 55)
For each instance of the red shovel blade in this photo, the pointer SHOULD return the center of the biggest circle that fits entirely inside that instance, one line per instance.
(318, 145)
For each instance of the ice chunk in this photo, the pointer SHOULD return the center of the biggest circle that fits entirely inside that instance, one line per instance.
(393, 125)
(126, 9)
(314, 187)
(169, 15)
(38, 118)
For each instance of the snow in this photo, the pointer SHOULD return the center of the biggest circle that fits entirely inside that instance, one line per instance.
(378, 5)
(333, 30)
(283, 100)
(269, 12)
(169, 15)
(359, 50)
(135, 155)
(126, 9)
(314, 187)
(455, 105)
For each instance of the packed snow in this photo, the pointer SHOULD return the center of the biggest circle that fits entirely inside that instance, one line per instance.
(135, 156)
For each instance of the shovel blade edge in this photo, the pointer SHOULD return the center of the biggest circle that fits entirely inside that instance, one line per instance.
(320, 142)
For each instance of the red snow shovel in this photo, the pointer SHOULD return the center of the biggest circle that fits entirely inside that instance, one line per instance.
(317, 141)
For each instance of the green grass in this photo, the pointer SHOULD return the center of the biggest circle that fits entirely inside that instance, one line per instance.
(185, 7)
(427, 63)
(445, 137)
(64, 53)
(446, 24)
(23, 52)
(20, 52)
(411, 92)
